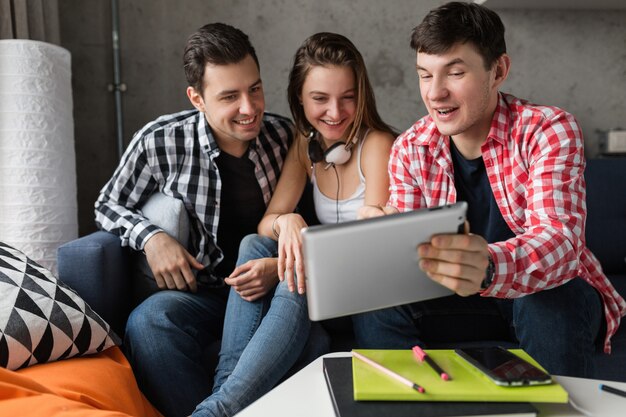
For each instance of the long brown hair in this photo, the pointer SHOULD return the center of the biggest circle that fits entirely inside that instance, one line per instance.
(331, 49)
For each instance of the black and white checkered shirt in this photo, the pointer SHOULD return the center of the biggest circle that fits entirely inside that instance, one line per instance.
(175, 155)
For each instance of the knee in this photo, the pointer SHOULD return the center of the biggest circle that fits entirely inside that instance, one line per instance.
(255, 246)
(568, 305)
(282, 291)
(151, 315)
(250, 241)
(257, 242)
(285, 304)
(563, 318)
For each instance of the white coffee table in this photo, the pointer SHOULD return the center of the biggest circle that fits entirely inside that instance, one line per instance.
(305, 395)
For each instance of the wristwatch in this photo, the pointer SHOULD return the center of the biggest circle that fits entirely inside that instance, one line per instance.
(489, 272)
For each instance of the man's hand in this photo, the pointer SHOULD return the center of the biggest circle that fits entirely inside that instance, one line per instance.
(455, 261)
(255, 278)
(171, 263)
(367, 211)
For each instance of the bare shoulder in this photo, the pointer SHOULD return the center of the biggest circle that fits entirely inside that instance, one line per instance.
(377, 142)
(375, 154)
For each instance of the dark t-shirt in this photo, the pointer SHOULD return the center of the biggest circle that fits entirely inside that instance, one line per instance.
(241, 207)
(472, 185)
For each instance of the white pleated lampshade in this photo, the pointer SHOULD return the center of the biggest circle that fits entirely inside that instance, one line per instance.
(38, 209)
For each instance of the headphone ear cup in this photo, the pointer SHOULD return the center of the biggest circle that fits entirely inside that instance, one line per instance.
(316, 153)
(337, 154)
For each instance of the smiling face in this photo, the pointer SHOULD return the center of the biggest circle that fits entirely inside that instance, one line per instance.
(233, 103)
(459, 93)
(329, 101)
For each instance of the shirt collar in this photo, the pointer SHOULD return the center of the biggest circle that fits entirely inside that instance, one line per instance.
(207, 139)
(430, 136)
(500, 122)
(205, 135)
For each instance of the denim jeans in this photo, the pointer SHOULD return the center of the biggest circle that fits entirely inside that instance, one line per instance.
(166, 342)
(262, 340)
(558, 327)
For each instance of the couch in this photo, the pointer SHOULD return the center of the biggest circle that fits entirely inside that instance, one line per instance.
(100, 270)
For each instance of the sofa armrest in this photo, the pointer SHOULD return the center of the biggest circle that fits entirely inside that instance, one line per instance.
(97, 268)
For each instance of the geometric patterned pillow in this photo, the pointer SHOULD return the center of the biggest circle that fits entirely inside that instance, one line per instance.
(42, 319)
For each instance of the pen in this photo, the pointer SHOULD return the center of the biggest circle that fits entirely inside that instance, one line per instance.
(423, 356)
(389, 372)
(612, 390)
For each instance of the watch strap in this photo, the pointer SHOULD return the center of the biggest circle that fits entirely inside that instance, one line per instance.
(489, 273)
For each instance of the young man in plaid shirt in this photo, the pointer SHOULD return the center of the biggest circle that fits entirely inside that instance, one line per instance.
(523, 271)
(222, 160)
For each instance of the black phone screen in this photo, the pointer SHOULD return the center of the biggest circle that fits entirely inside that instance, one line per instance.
(503, 366)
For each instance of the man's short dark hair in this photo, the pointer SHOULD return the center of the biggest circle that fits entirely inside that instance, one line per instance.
(459, 22)
(217, 44)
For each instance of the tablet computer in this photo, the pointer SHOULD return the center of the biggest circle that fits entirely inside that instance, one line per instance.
(369, 264)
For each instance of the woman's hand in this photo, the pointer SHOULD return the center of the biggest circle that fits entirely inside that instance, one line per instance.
(290, 257)
(254, 279)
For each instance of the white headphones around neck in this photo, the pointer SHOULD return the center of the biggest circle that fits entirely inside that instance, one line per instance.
(337, 154)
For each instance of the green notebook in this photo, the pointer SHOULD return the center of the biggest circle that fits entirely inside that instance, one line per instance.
(467, 383)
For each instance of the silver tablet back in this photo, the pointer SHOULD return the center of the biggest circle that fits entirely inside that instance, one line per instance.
(370, 264)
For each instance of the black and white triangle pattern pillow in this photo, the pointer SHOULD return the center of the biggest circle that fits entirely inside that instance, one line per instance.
(42, 319)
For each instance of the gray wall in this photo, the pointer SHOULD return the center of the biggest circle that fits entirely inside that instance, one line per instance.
(572, 59)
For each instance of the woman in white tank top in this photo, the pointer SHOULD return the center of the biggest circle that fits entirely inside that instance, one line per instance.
(341, 144)
(343, 147)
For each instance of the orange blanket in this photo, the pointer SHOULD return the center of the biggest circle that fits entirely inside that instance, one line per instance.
(95, 385)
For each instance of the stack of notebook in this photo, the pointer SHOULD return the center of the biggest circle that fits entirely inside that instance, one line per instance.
(359, 390)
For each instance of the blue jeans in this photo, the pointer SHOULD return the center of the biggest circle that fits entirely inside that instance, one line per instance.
(166, 342)
(558, 327)
(262, 340)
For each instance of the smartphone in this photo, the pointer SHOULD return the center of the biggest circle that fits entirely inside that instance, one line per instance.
(503, 367)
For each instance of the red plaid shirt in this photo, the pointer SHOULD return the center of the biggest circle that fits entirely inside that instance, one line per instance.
(535, 162)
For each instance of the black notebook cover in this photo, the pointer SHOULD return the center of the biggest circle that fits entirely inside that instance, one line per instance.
(338, 374)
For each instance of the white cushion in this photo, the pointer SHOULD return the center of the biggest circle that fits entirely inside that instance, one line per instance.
(169, 214)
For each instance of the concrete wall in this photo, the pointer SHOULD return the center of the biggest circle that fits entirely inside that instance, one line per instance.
(573, 59)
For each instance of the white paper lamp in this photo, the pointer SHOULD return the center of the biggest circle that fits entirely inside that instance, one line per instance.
(38, 209)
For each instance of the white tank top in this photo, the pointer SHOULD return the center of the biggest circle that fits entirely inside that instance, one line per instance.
(327, 208)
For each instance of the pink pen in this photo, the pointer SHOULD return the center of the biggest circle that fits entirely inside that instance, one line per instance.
(423, 356)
